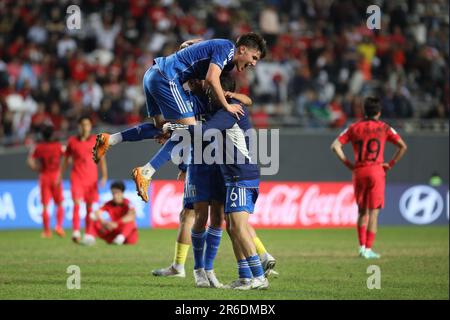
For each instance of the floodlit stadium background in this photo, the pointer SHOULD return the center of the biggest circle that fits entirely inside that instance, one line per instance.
(323, 60)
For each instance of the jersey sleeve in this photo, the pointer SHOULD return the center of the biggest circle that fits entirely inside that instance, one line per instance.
(222, 54)
(392, 135)
(344, 137)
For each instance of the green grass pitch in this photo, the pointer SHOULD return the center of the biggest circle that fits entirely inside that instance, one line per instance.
(313, 264)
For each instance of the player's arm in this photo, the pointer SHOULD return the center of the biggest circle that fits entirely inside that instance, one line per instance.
(336, 147)
(32, 162)
(244, 99)
(130, 216)
(104, 171)
(399, 153)
(212, 79)
(190, 42)
(64, 165)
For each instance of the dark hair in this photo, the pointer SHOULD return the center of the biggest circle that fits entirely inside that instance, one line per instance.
(84, 117)
(47, 132)
(227, 82)
(372, 106)
(118, 185)
(254, 41)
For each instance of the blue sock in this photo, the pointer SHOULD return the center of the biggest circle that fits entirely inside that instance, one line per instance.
(163, 155)
(198, 245)
(140, 132)
(213, 237)
(244, 269)
(255, 266)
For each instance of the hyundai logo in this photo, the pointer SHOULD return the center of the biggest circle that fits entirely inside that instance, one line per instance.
(421, 204)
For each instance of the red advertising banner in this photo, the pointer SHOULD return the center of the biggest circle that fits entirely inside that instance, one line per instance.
(279, 205)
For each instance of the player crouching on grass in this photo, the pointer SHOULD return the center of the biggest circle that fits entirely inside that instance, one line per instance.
(46, 159)
(368, 138)
(119, 226)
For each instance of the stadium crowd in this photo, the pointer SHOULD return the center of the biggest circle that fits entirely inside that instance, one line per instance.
(322, 61)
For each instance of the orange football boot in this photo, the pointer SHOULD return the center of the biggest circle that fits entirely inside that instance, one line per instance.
(142, 183)
(101, 146)
(60, 232)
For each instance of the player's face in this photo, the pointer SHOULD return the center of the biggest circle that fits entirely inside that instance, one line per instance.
(247, 57)
(117, 195)
(85, 127)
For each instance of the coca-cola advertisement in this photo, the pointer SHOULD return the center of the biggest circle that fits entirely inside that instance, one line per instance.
(279, 205)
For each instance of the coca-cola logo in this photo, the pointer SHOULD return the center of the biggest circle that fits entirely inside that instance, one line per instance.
(286, 205)
(167, 202)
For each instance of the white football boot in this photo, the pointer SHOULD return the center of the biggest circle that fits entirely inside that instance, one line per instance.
(213, 281)
(170, 271)
(119, 240)
(201, 279)
(268, 263)
(369, 254)
(260, 283)
(361, 251)
(88, 240)
(239, 284)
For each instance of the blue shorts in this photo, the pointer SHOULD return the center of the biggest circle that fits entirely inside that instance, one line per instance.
(166, 97)
(241, 196)
(204, 183)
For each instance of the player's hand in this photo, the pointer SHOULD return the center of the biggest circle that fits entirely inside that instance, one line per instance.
(386, 166)
(349, 165)
(235, 109)
(181, 175)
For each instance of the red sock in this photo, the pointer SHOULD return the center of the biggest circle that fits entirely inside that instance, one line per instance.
(370, 239)
(76, 217)
(59, 216)
(45, 220)
(361, 235)
(88, 217)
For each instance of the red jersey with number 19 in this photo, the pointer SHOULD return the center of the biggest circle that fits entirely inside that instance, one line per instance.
(368, 138)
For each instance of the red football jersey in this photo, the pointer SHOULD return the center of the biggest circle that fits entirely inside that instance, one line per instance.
(49, 155)
(84, 168)
(117, 211)
(368, 138)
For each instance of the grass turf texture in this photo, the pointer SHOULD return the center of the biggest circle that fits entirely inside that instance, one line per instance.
(313, 264)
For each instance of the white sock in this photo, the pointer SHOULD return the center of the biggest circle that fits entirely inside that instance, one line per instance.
(115, 139)
(178, 267)
(119, 239)
(148, 171)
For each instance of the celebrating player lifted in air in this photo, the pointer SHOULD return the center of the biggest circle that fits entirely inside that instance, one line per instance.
(167, 101)
(46, 158)
(368, 138)
(84, 175)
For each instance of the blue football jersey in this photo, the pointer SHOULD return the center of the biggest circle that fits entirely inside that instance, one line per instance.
(193, 62)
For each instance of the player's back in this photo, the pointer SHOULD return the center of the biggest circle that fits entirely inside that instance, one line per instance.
(193, 62)
(368, 138)
(49, 155)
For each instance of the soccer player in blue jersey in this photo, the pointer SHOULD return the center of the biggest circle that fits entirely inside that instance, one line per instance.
(241, 180)
(165, 97)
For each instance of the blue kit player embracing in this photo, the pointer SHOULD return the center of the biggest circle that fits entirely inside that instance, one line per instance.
(241, 179)
(167, 101)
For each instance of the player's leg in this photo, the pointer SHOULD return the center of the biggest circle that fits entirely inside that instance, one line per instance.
(140, 132)
(375, 201)
(212, 242)
(244, 280)
(239, 203)
(45, 189)
(361, 227)
(198, 235)
(123, 232)
(267, 260)
(175, 106)
(176, 269)
(57, 193)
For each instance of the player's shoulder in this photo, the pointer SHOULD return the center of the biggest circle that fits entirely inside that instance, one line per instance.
(221, 42)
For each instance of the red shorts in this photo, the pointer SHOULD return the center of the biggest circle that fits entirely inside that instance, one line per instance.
(84, 190)
(50, 190)
(369, 184)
